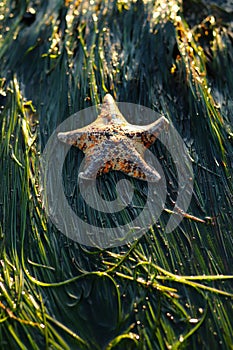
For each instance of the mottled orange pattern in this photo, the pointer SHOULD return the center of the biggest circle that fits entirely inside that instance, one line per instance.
(111, 143)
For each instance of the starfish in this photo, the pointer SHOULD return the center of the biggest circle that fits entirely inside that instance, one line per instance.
(111, 143)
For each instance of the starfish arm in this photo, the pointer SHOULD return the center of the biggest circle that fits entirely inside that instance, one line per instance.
(82, 138)
(146, 134)
(91, 169)
(156, 127)
(152, 131)
(131, 162)
(75, 137)
(101, 159)
(110, 112)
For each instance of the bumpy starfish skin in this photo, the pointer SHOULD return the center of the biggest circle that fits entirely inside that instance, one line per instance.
(111, 143)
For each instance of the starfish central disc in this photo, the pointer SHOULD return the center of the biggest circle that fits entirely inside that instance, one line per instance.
(111, 143)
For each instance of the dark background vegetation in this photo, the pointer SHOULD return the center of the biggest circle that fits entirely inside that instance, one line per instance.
(164, 291)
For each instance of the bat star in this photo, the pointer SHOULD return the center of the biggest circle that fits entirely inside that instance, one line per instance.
(111, 143)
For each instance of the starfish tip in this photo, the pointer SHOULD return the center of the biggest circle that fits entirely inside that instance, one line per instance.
(108, 99)
(62, 136)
